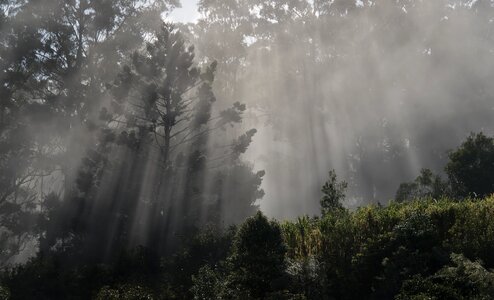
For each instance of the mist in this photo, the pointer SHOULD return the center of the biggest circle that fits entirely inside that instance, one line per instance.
(120, 129)
(246, 149)
(376, 90)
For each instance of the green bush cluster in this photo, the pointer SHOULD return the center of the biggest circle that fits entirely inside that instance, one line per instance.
(379, 252)
(424, 249)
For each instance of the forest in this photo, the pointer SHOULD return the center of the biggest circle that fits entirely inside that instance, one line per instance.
(266, 149)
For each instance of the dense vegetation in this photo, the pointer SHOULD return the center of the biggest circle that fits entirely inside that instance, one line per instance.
(427, 249)
(439, 245)
(122, 150)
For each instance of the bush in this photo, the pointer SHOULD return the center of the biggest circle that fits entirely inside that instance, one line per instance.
(207, 284)
(124, 292)
(4, 293)
(463, 279)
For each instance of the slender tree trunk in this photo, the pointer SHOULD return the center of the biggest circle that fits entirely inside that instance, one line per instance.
(165, 153)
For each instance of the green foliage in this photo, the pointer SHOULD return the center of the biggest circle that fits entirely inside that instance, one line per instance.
(124, 292)
(207, 284)
(306, 274)
(257, 263)
(463, 279)
(209, 247)
(469, 172)
(4, 293)
(56, 59)
(471, 166)
(160, 112)
(403, 251)
(333, 194)
(426, 185)
(371, 252)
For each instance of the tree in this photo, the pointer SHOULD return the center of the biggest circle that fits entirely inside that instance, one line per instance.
(471, 166)
(163, 80)
(463, 279)
(290, 42)
(427, 184)
(333, 194)
(257, 262)
(55, 57)
(145, 178)
(171, 108)
(22, 157)
(207, 284)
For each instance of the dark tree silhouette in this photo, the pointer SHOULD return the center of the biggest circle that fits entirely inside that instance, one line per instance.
(471, 166)
(333, 194)
(258, 258)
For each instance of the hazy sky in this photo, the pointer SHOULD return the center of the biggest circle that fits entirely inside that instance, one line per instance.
(187, 13)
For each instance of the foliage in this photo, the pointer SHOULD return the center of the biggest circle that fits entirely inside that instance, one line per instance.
(124, 292)
(468, 169)
(160, 113)
(425, 185)
(405, 250)
(257, 262)
(275, 55)
(110, 171)
(207, 284)
(369, 253)
(471, 166)
(334, 194)
(91, 94)
(208, 247)
(462, 279)
(4, 293)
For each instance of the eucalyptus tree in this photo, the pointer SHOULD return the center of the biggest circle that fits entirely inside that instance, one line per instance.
(221, 35)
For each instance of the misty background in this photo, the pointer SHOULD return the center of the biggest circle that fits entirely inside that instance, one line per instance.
(374, 89)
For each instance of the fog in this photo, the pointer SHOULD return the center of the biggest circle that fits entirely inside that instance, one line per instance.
(376, 90)
(120, 130)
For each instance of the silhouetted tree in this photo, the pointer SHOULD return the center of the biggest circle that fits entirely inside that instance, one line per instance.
(22, 154)
(161, 114)
(333, 194)
(462, 279)
(55, 57)
(257, 262)
(471, 166)
(427, 184)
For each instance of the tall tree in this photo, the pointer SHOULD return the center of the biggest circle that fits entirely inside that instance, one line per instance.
(55, 58)
(149, 177)
(22, 164)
